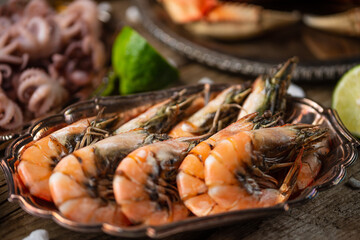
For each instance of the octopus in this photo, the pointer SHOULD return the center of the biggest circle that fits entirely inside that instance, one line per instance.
(79, 18)
(10, 113)
(78, 58)
(40, 91)
(45, 57)
(79, 21)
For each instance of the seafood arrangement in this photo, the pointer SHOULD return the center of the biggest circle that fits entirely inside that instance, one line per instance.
(179, 160)
(192, 154)
(163, 162)
(45, 57)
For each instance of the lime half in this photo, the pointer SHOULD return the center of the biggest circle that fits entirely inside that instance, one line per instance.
(139, 66)
(346, 100)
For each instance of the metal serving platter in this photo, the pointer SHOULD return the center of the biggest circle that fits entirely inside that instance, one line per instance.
(300, 110)
(256, 56)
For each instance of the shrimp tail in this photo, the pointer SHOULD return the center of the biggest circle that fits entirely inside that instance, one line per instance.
(289, 183)
(108, 123)
(277, 86)
(269, 91)
(239, 97)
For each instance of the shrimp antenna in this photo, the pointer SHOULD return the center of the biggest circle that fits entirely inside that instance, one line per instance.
(290, 180)
(217, 115)
(195, 138)
(95, 131)
(178, 94)
(206, 93)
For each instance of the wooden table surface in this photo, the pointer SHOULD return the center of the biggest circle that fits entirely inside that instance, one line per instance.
(333, 214)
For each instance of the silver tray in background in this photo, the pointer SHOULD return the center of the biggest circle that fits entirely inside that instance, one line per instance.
(300, 110)
(259, 55)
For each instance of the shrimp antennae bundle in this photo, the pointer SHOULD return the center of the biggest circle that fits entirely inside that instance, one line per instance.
(217, 113)
(166, 114)
(269, 93)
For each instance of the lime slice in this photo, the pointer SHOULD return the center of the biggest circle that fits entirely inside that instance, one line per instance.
(139, 66)
(346, 100)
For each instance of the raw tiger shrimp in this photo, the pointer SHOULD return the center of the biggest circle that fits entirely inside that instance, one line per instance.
(81, 184)
(39, 157)
(145, 182)
(236, 171)
(165, 114)
(222, 110)
(269, 93)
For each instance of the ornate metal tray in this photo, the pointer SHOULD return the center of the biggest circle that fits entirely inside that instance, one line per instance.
(258, 56)
(343, 152)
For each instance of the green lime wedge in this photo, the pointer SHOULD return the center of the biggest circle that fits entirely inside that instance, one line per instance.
(346, 100)
(139, 66)
(108, 87)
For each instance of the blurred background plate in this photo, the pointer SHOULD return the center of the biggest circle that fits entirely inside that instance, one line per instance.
(323, 56)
